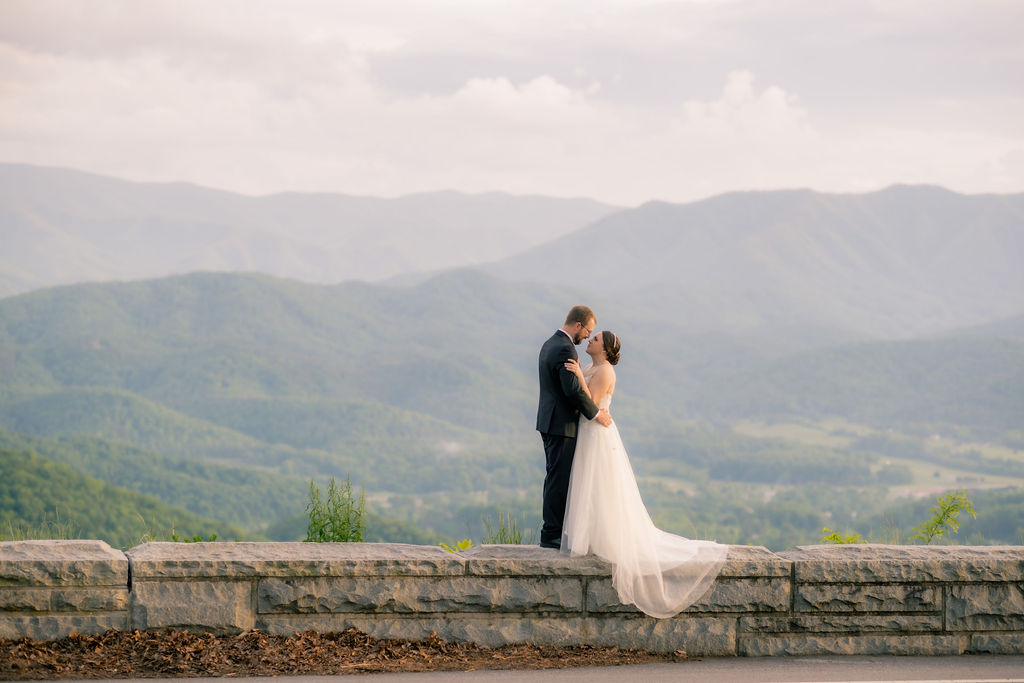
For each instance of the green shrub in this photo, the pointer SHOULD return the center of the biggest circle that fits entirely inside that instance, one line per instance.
(829, 536)
(505, 530)
(340, 518)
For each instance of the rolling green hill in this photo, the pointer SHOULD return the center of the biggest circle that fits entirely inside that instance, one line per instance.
(35, 491)
(228, 386)
(226, 498)
(969, 381)
(240, 496)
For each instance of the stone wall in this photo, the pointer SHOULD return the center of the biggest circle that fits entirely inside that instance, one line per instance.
(853, 599)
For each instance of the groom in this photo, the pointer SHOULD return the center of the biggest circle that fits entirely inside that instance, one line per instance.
(562, 399)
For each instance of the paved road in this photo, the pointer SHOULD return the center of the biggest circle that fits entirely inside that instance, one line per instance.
(965, 669)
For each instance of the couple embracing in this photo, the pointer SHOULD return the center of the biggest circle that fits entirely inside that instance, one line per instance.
(591, 500)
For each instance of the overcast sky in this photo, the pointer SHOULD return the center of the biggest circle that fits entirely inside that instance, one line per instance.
(619, 100)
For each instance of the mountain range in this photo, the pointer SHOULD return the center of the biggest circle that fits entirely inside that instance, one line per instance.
(900, 262)
(897, 263)
(60, 226)
(897, 311)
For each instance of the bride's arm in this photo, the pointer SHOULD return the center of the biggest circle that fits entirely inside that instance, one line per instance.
(601, 382)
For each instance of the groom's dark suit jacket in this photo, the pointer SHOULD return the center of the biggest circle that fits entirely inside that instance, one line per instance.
(562, 399)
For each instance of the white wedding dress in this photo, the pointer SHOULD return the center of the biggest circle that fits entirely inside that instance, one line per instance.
(662, 574)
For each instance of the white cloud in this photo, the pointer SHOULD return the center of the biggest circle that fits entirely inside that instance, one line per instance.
(622, 101)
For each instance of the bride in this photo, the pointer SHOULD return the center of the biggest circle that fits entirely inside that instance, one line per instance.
(662, 574)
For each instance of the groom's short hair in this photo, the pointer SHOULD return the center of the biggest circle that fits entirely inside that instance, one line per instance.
(580, 314)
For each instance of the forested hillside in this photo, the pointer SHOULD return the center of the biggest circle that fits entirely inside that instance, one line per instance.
(240, 496)
(36, 492)
(224, 395)
(974, 382)
(791, 360)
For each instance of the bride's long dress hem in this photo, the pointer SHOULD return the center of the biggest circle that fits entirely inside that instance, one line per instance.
(660, 573)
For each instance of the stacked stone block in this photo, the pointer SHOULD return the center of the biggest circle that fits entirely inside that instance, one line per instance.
(49, 589)
(913, 600)
(860, 599)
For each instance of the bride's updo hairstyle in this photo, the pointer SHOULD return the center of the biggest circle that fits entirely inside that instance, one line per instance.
(611, 346)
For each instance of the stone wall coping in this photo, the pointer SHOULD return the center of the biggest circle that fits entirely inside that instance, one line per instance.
(168, 560)
(742, 561)
(95, 563)
(242, 559)
(874, 563)
(62, 563)
(504, 560)
(746, 561)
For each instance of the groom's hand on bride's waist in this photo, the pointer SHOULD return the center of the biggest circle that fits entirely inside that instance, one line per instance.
(603, 417)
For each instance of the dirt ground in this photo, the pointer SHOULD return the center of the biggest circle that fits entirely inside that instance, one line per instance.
(165, 654)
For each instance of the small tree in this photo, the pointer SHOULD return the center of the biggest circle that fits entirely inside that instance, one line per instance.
(340, 518)
(944, 516)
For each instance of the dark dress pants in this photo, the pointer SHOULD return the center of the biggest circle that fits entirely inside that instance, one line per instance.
(559, 451)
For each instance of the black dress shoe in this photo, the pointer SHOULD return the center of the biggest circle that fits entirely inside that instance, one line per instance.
(556, 545)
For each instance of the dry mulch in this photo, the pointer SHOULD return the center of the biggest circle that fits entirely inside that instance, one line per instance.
(168, 654)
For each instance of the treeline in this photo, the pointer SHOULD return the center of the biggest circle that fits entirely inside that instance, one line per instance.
(900, 446)
(225, 394)
(36, 493)
(382, 446)
(239, 496)
(233, 502)
(966, 381)
(779, 516)
(782, 518)
(795, 515)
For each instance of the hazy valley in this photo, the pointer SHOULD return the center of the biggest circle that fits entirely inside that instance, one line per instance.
(791, 360)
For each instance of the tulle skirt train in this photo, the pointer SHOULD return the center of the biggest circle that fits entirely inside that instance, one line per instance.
(661, 573)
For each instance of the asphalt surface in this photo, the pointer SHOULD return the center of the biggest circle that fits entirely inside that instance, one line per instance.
(862, 669)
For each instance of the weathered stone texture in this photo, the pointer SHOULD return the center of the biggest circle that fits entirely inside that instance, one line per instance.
(997, 643)
(756, 562)
(873, 644)
(216, 606)
(73, 599)
(529, 560)
(986, 607)
(234, 560)
(726, 595)
(696, 635)
(53, 626)
(61, 563)
(842, 623)
(426, 594)
(873, 563)
(818, 597)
